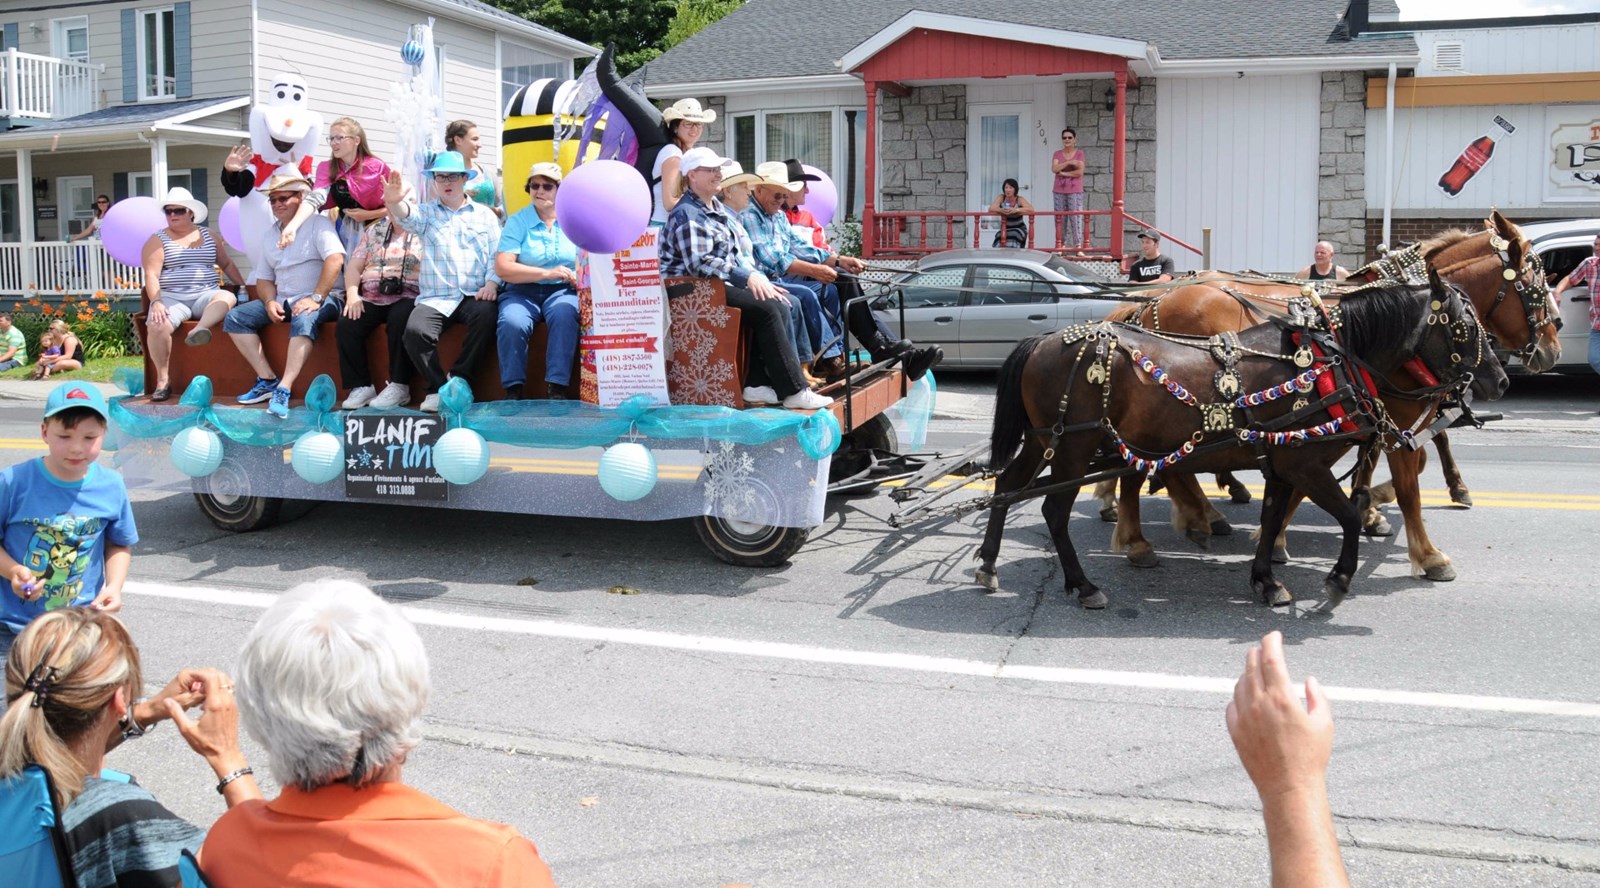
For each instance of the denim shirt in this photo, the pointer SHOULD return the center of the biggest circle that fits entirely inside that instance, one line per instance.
(775, 243)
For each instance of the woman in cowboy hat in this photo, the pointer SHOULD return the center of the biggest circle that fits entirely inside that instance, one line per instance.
(686, 122)
(180, 274)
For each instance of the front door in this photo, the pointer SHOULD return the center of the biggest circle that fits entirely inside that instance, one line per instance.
(997, 144)
(75, 200)
(10, 227)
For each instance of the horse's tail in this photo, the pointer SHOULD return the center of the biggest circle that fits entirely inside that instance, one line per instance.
(1010, 411)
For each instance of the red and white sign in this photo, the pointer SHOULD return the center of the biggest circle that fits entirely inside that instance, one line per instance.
(627, 314)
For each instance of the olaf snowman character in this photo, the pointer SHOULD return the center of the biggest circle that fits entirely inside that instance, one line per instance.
(284, 132)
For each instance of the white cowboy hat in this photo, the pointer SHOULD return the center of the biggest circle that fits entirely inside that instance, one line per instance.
(688, 109)
(180, 197)
(734, 174)
(776, 172)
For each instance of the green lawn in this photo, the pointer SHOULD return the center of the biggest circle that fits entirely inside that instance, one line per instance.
(97, 370)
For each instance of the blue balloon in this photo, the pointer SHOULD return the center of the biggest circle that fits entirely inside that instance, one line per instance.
(196, 452)
(627, 471)
(411, 53)
(318, 457)
(461, 456)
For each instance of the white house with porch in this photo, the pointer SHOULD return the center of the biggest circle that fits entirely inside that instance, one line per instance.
(130, 98)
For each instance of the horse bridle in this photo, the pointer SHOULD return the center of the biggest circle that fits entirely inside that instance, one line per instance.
(1534, 296)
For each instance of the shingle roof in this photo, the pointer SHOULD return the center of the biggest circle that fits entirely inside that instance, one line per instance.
(121, 116)
(743, 45)
(509, 18)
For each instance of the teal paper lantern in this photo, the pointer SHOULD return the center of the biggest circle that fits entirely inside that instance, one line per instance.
(196, 452)
(461, 456)
(627, 471)
(318, 457)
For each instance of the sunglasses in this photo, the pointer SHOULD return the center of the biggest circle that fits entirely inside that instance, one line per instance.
(542, 186)
(175, 211)
(449, 177)
(102, 201)
(283, 199)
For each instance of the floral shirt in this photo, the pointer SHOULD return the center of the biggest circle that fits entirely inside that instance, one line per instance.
(386, 250)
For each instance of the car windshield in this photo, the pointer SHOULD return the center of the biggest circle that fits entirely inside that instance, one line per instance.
(1072, 269)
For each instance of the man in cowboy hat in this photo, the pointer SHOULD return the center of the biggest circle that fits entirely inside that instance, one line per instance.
(838, 291)
(458, 284)
(294, 284)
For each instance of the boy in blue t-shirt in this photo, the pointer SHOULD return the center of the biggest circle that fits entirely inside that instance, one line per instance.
(68, 527)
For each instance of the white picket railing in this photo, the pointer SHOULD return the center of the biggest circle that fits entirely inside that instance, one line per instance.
(83, 268)
(47, 88)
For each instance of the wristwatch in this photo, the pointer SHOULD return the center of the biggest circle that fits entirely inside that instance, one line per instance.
(317, 298)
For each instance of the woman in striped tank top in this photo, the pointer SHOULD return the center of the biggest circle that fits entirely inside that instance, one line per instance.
(180, 274)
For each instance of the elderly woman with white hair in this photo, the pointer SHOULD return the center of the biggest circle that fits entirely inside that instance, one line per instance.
(332, 682)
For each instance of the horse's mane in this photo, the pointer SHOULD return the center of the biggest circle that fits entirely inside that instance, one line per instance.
(1126, 313)
(1381, 318)
(1444, 240)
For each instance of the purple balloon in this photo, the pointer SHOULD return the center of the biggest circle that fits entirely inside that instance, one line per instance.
(603, 206)
(228, 224)
(822, 200)
(128, 224)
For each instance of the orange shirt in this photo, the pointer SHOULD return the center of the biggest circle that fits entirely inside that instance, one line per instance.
(384, 834)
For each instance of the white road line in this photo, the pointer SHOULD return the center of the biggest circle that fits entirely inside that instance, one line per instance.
(909, 662)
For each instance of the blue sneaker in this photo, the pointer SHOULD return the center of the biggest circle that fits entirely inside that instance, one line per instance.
(259, 392)
(279, 406)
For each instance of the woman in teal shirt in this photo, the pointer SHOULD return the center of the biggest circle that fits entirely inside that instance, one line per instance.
(539, 266)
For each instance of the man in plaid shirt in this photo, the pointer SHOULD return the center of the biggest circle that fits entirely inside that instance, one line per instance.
(1584, 276)
(457, 284)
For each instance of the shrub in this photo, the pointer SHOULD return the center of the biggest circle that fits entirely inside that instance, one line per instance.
(104, 331)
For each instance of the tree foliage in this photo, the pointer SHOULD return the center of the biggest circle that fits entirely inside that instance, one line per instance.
(641, 29)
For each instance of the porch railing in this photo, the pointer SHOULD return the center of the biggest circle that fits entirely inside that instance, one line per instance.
(36, 87)
(918, 233)
(58, 268)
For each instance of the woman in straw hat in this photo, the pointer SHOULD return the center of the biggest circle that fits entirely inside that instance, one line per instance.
(686, 122)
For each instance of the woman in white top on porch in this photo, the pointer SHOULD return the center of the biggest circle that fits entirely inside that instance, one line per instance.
(92, 230)
(686, 121)
(180, 282)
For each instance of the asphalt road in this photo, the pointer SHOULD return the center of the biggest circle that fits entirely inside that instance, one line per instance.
(865, 715)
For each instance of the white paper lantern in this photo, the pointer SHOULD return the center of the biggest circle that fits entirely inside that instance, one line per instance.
(196, 452)
(461, 456)
(318, 457)
(628, 471)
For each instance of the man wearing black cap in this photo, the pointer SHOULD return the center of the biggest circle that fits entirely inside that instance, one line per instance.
(879, 340)
(1148, 266)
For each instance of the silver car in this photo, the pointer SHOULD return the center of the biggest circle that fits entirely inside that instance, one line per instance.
(978, 304)
(1560, 247)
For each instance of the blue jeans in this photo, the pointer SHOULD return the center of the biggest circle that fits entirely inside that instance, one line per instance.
(1594, 350)
(523, 306)
(9, 365)
(252, 317)
(819, 326)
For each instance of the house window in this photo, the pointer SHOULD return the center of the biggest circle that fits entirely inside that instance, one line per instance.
(807, 135)
(158, 67)
(75, 195)
(744, 141)
(141, 185)
(521, 65)
(69, 38)
(832, 140)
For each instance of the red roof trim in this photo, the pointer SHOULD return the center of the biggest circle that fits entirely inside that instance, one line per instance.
(924, 54)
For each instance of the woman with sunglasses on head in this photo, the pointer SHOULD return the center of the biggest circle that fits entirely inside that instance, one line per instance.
(539, 265)
(352, 182)
(461, 136)
(92, 230)
(180, 275)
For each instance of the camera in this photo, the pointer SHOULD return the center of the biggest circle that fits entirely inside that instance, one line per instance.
(389, 286)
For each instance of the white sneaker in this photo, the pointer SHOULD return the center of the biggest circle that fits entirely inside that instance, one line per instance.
(760, 394)
(430, 404)
(806, 399)
(393, 395)
(360, 396)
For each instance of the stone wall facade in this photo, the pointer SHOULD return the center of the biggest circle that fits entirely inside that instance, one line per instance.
(1341, 167)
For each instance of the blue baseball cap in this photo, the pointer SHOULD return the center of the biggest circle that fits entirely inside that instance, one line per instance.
(450, 162)
(68, 395)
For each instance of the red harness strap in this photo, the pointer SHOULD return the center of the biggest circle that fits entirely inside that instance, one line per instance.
(1420, 372)
(1325, 386)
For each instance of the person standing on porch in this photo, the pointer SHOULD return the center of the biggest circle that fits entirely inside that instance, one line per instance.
(180, 274)
(1068, 164)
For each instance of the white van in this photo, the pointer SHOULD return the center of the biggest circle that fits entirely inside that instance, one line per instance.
(1561, 246)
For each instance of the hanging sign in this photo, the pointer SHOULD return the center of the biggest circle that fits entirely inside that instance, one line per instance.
(391, 457)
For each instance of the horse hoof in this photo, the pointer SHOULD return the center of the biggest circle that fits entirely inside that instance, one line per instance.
(1280, 554)
(1201, 538)
(1146, 558)
(1221, 528)
(1441, 573)
(1461, 497)
(1238, 493)
(1109, 514)
(988, 580)
(1335, 590)
(1095, 600)
(1273, 593)
(1379, 528)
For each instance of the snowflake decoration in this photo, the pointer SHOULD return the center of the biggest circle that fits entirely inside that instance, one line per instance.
(728, 491)
(700, 382)
(693, 319)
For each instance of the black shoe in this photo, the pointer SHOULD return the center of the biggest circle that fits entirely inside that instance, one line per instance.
(883, 348)
(920, 360)
(514, 392)
(555, 391)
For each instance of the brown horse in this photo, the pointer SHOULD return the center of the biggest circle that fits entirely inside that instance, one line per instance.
(1478, 262)
(1062, 398)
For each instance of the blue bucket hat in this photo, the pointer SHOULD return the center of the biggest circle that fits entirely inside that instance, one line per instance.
(450, 162)
(68, 395)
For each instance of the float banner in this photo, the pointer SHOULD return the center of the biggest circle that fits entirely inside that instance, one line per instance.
(624, 336)
(390, 456)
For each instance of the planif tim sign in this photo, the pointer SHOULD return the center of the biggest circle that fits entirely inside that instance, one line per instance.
(391, 457)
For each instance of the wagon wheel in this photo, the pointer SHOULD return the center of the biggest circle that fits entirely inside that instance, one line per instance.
(856, 453)
(749, 544)
(229, 503)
